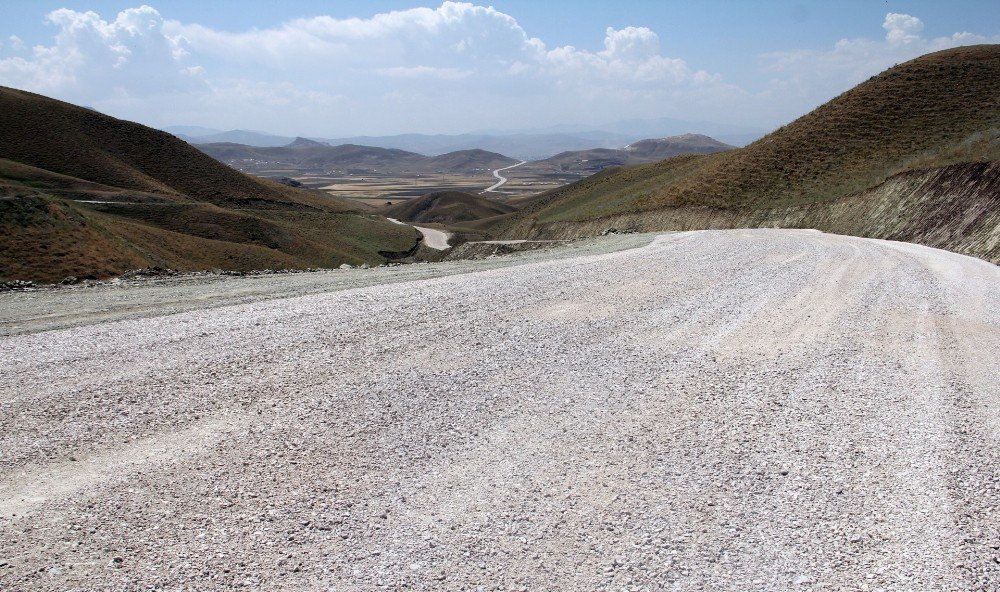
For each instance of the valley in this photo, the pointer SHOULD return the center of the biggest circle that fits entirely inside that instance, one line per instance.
(636, 345)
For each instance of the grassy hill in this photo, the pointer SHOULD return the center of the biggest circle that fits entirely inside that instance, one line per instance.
(447, 207)
(88, 195)
(938, 110)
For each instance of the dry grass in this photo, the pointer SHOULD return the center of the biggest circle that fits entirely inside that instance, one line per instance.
(76, 142)
(447, 207)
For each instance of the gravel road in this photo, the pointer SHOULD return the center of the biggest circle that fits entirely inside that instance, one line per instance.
(738, 410)
(434, 238)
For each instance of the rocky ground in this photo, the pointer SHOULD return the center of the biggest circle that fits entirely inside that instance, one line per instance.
(767, 410)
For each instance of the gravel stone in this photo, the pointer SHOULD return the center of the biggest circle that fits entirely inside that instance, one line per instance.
(581, 418)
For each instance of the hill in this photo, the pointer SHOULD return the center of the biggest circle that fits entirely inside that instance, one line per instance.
(917, 118)
(662, 148)
(469, 160)
(447, 207)
(301, 142)
(87, 195)
(643, 151)
(252, 138)
(308, 156)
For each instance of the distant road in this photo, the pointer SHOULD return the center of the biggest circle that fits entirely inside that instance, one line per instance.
(500, 178)
(433, 238)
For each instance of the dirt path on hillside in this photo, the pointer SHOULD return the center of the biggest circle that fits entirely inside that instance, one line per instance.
(434, 238)
(753, 409)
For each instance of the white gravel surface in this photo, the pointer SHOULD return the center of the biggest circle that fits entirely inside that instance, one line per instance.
(738, 410)
(434, 238)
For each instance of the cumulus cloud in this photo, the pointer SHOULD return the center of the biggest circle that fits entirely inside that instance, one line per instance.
(91, 57)
(455, 67)
(483, 56)
(902, 28)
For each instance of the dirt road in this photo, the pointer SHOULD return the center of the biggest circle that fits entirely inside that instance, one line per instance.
(500, 178)
(718, 410)
(434, 238)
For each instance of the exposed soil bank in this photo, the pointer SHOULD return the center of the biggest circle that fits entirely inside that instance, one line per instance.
(955, 208)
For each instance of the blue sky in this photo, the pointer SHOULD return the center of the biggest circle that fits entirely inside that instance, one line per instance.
(341, 68)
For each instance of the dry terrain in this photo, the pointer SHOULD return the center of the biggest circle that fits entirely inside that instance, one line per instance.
(921, 140)
(377, 190)
(758, 409)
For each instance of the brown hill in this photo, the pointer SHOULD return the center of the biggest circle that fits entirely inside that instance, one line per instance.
(77, 142)
(447, 207)
(469, 161)
(937, 110)
(661, 148)
(307, 156)
(595, 160)
(87, 195)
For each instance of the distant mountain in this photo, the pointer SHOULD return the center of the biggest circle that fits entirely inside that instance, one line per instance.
(585, 162)
(630, 130)
(529, 144)
(87, 195)
(315, 157)
(305, 143)
(191, 131)
(250, 138)
(660, 148)
(736, 135)
(469, 160)
(447, 207)
(521, 146)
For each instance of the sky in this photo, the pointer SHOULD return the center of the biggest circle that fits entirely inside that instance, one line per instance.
(329, 69)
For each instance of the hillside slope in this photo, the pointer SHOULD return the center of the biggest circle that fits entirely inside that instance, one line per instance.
(938, 110)
(77, 142)
(86, 195)
(447, 207)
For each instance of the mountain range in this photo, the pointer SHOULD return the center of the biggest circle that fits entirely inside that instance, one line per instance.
(311, 156)
(525, 144)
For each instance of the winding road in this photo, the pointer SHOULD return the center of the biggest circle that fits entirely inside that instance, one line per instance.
(433, 238)
(500, 178)
(717, 410)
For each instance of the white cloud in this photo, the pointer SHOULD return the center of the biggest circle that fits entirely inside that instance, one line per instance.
(91, 57)
(137, 57)
(803, 79)
(425, 72)
(902, 28)
(451, 68)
